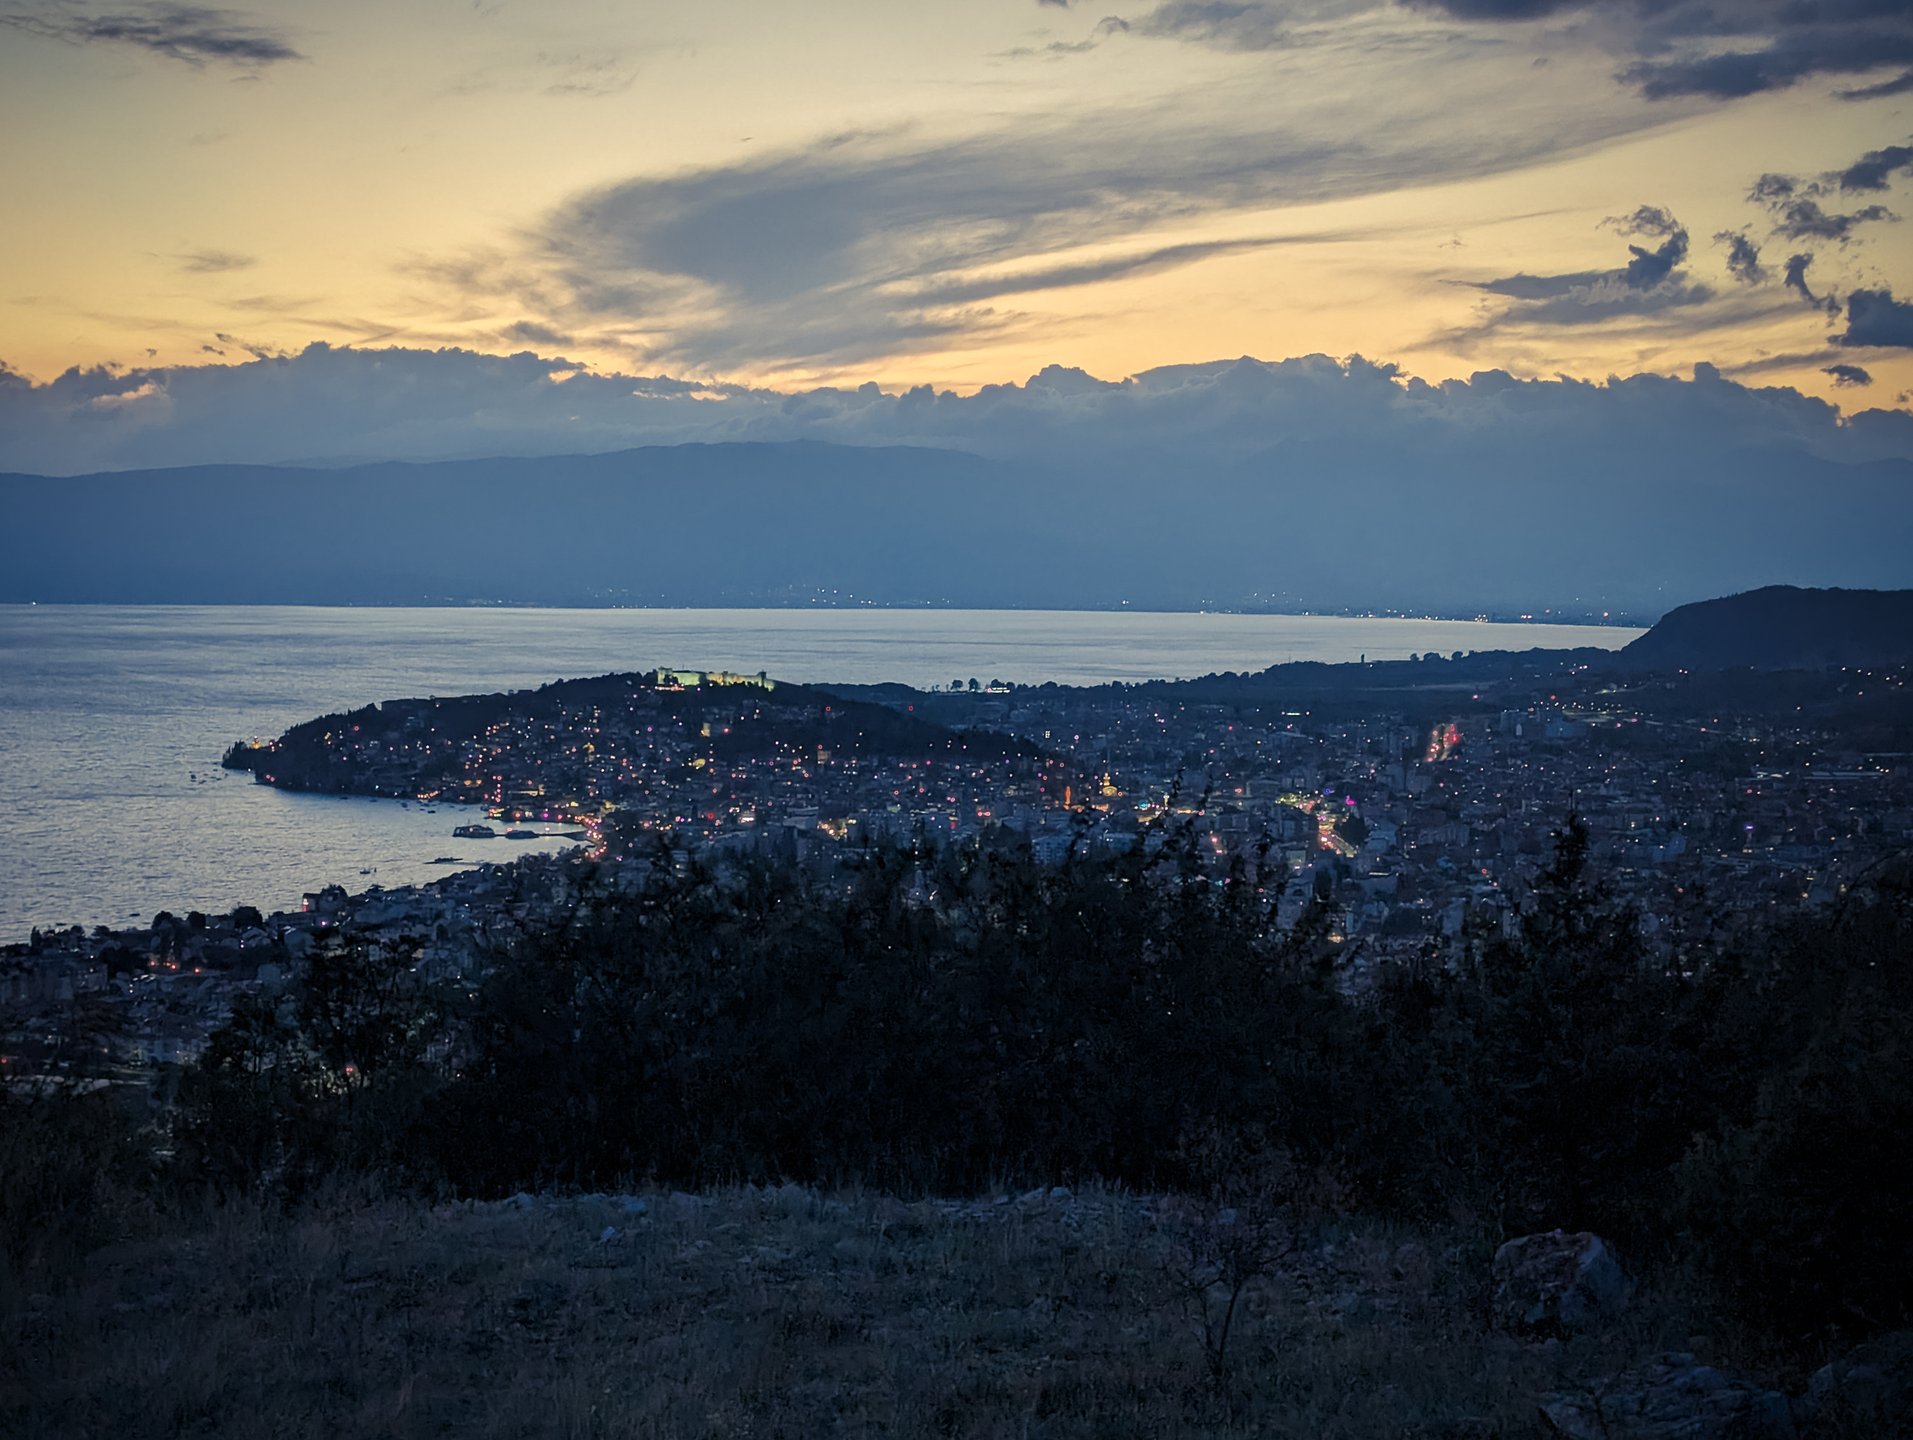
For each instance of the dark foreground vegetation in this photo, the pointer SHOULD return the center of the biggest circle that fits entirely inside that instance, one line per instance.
(1736, 1120)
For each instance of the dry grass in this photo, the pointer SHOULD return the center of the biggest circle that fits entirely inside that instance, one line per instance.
(760, 1313)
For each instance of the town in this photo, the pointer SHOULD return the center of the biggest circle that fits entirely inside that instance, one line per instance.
(1411, 804)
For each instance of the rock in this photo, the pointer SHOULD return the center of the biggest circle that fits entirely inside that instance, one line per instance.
(632, 1205)
(1554, 1282)
(1873, 1383)
(1672, 1398)
(608, 1234)
(1353, 1305)
(1411, 1262)
(522, 1201)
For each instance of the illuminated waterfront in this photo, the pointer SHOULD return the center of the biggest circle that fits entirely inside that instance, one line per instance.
(113, 720)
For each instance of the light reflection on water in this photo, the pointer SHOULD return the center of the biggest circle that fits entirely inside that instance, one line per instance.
(113, 719)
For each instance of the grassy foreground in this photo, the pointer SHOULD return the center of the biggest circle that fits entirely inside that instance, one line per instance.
(776, 1312)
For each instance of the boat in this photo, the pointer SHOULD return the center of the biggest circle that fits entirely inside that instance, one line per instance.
(521, 834)
(474, 832)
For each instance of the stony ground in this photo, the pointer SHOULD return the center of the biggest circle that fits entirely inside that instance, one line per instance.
(773, 1313)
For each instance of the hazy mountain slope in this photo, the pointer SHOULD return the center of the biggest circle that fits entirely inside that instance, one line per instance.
(1454, 522)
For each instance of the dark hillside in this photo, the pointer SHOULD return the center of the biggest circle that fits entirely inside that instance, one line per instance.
(1781, 627)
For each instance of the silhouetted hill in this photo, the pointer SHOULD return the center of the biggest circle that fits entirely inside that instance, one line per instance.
(411, 747)
(1781, 628)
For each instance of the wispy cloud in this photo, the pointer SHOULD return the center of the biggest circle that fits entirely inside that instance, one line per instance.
(877, 245)
(1246, 24)
(969, 290)
(586, 76)
(1743, 257)
(1676, 48)
(1803, 219)
(213, 262)
(1898, 85)
(191, 34)
(565, 74)
(1650, 282)
(1666, 48)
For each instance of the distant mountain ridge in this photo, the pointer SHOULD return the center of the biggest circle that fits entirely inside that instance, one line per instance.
(1781, 627)
(1450, 526)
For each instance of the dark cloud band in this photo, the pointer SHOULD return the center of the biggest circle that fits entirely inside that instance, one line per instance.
(194, 35)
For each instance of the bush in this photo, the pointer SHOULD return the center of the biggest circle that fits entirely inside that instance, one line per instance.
(73, 1169)
(1797, 1212)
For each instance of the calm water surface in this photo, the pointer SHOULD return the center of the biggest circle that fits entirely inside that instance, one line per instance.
(113, 719)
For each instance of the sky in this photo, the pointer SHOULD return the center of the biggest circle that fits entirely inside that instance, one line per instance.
(222, 220)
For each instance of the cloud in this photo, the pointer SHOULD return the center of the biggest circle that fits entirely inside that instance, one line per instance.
(1803, 219)
(1108, 26)
(1898, 85)
(1782, 63)
(1702, 48)
(1652, 299)
(1848, 375)
(1498, 9)
(530, 332)
(1743, 258)
(1796, 281)
(1242, 24)
(1464, 492)
(213, 262)
(565, 74)
(258, 352)
(1665, 49)
(1874, 169)
(587, 76)
(192, 34)
(329, 403)
(1648, 283)
(1795, 205)
(874, 245)
(1875, 318)
(1259, 27)
(1117, 267)
(1649, 268)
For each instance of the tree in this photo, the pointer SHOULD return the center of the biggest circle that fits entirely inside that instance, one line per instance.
(1584, 1094)
(248, 1109)
(363, 1008)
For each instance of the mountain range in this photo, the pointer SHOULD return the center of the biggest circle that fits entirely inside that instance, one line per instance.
(1458, 530)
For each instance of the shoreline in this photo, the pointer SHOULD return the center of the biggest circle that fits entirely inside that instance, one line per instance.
(1589, 619)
